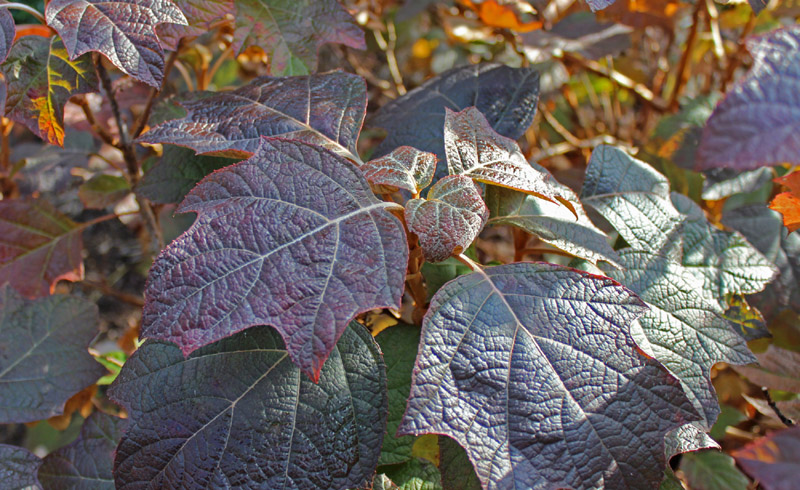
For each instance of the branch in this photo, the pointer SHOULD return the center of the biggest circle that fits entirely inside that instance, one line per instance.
(151, 97)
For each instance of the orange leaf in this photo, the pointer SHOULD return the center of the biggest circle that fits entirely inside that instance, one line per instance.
(32, 30)
(503, 14)
(788, 203)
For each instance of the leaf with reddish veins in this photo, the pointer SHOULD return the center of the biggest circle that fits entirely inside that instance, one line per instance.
(41, 79)
(404, 168)
(449, 219)
(788, 203)
(122, 30)
(772, 460)
(38, 247)
(326, 109)
(7, 33)
(292, 238)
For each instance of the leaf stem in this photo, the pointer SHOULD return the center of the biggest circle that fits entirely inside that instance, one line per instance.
(96, 127)
(25, 8)
(786, 420)
(469, 262)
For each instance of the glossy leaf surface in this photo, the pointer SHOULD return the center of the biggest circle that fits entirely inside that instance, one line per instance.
(7, 31)
(122, 30)
(43, 358)
(240, 413)
(293, 238)
(520, 362)
(18, 468)
(41, 78)
(87, 461)
(38, 247)
(758, 122)
(449, 219)
(405, 168)
(772, 460)
(326, 109)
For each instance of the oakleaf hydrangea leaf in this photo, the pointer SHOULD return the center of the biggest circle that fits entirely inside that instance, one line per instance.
(293, 238)
(7, 32)
(291, 31)
(43, 357)
(39, 246)
(758, 121)
(449, 219)
(122, 30)
(239, 413)
(404, 168)
(326, 109)
(720, 183)
(18, 468)
(87, 461)
(201, 15)
(521, 362)
(41, 78)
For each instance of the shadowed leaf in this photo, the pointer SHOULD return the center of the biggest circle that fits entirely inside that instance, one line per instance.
(18, 468)
(599, 4)
(772, 460)
(404, 168)
(712, 470)
(758, 5)
(103, 190)
(723, 182)
(414, 474)
(7, 31)
(456, 468)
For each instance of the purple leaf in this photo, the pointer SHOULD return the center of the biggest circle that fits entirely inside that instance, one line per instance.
(772, 460)
(239, 414)
(326, 109)
(7, 32)
(43, 358)
(758, 122)
(523, 362)
(404, 168)
(201, 15)
(122, 30)
(449, 219)
(18, 468)
(293, 238)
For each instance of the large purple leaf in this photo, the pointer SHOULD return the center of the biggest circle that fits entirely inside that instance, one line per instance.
(326, 109)
(527, 365)
(7, 32)
(758, 122)
(239, 414)
(43, 357)
(18, 468)
(122, 30)
(87, 461)
(293, 238)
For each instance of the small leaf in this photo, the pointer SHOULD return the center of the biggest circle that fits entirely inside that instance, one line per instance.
(239, 413)
(404, 168)
(449, 219)
(103, 190)
(122, 30)
(758, 121)
(772, 460)
(438, 274)
(758, 5)
(579, 33)
(746, 320)
(712, 470)
(326, 109)
(293, 238)
(43, 358)
(7, 32)
(39, 246)
(516, 380)
(18, 468)
(41, 79)
(87, 461)
(788, 203)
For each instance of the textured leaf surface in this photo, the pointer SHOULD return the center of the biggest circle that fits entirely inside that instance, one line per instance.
(520, 362)
(176, 173)
(43, 357)
(18, 468)
(293, 238)
(788, 203)
(41, 79)
(712, 470)
(122, 30)
(449, 219)
(404, 168)
(746, 320)
(325, 109)
(772, 460)
(240, 413)
(550, 222)
(38, 247)
(456, 468)
(7, 31)
(758, 122)
(87, 461)
(291, 31)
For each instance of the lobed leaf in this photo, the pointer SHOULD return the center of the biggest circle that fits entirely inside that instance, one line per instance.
(520, 363)
(122, 30)
(449, 219)
(758, 122)
(292, 237)
(405, 168)
(239, 413)
(39, 246)
(772, 460)
(43, 358)
(7, 32)
(18, 468)
(41, 79)
(326, 109)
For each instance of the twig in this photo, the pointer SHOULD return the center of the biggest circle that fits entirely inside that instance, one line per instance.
(566, 147)
(5, 152)
(151, 97)
(786, 421)
(391, 59)
(559, 128)
(218, 63)
(96, 127)
(185, 75)
(681, 76)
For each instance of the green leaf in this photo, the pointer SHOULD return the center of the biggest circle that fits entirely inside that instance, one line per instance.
(103, 190)
(712, 470)
(455, 466)
(414, 474)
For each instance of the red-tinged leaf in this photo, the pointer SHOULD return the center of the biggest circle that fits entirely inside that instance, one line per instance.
(291, 31)
(239, 414)
(758, 122)
(477, 151)
(122, 30)
(326, 109)
(788, 203)
(7, 33)
(38, 247)
(43, 357)
(505, 14)
(449, 219)
(41, 79)
(33, 30)
(404, 168)
(201, 15)
(18, 468)
(293, 238)
(773, 460)
(522, 362)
